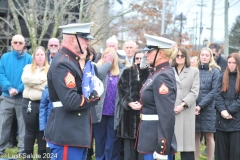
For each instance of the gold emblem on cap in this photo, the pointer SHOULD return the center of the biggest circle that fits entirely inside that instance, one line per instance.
(159, 47)
(74, 32)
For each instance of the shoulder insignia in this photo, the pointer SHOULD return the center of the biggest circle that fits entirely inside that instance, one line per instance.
(163, 89)
(70, 80)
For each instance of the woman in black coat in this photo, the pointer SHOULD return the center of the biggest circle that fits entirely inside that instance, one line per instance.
(228, 111)
(129, 86)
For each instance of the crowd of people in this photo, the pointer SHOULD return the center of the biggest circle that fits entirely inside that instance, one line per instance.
(155, 102)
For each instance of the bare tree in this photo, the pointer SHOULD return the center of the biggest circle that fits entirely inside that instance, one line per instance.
(37, 15)
(146, 19)
(43, 17)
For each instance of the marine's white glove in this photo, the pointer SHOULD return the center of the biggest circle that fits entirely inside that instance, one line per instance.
(144, 62)
(159, 156)
(98, 85)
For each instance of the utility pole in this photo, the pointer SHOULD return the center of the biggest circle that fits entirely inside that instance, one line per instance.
(193, 33)
(163, 16)
(196, 32)
(201, 27)
(181, 25)
(226, 43)
(212, 22)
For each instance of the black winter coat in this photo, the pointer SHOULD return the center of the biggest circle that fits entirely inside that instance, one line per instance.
(228, 101)
(129, 87)
(222, 62)
(205, 121)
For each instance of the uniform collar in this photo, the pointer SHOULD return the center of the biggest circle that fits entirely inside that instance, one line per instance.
(162, 65)
(70, 53)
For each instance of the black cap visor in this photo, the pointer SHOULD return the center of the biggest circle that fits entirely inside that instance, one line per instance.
(150, 48)
(85, 35)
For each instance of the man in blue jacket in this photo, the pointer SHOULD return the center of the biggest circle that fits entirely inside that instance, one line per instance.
(11, 68)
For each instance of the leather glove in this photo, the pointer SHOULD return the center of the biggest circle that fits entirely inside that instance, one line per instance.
(144, 63)
(159, 156)
(93, 97)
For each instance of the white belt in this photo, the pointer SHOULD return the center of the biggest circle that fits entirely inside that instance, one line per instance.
(57, 104)
(149, 117)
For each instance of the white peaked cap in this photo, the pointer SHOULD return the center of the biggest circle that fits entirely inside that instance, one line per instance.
(154, 42)
(80, 29)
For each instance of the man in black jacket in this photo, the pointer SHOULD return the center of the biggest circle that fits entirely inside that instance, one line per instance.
(219, 59)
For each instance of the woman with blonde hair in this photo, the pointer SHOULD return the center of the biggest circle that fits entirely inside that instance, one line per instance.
(106, 143)
(156, 138)
(34, 78)
(205, 104)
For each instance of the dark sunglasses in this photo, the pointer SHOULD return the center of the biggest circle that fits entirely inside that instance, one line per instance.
(138, 58)
(51, 45)
(16, 42)
(180, 56)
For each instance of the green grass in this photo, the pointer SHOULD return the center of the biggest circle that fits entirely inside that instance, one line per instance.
(202, 157)
(11, 153)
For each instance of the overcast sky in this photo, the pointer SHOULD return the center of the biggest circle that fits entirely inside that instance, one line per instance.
(192, 7)
(189, 8)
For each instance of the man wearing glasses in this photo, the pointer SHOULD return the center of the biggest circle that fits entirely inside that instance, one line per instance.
(11, 68)
(53, 47)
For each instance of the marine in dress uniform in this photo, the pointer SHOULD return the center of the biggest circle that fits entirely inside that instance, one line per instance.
(68, 129)
(156, 137)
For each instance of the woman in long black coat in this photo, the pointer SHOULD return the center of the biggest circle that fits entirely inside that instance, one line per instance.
(129, 86)
(228, 111)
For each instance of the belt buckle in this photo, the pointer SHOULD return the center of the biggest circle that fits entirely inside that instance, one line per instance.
(140, 116)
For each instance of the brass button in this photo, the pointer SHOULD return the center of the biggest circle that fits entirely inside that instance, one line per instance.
(92, 96)
(162, 141)
(161, 146)
(79, 114)
(161, 152)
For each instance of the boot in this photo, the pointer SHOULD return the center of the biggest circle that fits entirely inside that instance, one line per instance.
(28, 154)
(48, 152)
(42, 155)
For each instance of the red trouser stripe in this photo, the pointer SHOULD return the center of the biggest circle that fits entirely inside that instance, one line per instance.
(65, 152)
